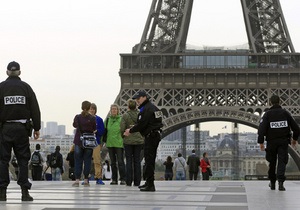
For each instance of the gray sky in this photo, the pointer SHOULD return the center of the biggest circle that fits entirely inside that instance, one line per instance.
(69, 49)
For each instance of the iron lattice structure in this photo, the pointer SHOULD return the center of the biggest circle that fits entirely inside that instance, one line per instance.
(167, 27)
(198, 86)
(266, 27)
(182, 107)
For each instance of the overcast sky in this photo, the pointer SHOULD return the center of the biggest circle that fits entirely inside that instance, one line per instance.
(69, 49)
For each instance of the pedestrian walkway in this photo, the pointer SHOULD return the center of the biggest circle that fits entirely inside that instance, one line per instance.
(169, 195)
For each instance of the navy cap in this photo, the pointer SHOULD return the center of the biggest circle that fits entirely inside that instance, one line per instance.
(13, 66)
(139, 94)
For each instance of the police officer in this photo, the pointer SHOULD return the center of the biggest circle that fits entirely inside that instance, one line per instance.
(18, 105)
(275, 126)
(149, 124)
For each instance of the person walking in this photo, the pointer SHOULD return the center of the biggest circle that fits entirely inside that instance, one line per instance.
(179, 166)
(84, 123)
(36, 163)
(168, 168)
(97, 151)
(193, 162)
(71, 160)
(18, 106)
(56, 164)
(133, 145)
(205, 167)
(275, 127)
(149, 124)
(114, 143)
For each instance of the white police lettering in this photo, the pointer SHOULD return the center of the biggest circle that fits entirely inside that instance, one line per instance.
(9, 100)
(279, 124)
(158, 114)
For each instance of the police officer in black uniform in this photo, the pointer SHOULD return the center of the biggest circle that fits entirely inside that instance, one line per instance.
(275, 127)
(18, 106)
(149, 124)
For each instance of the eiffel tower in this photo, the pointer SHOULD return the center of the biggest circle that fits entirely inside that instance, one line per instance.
(193, 86)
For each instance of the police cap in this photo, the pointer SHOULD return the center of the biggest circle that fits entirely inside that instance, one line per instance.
(139, 94)
(13, 66)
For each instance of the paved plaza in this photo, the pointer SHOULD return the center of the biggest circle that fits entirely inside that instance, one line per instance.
(169, 195)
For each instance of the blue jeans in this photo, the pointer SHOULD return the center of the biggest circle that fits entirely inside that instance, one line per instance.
(168, 175)
(133, 157)
(82, 156)
(117, 155)
(56, 173)
(180, 175)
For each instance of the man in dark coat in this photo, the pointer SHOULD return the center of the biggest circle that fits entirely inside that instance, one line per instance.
(194, 163)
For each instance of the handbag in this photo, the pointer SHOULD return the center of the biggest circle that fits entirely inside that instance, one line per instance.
(104, 136)
(71, 173)
(209, 171)
(88, 140)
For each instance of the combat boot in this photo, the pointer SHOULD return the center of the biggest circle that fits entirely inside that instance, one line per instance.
(26, 196)
(2, 194)
(143, 186)
(281, 187)
(272, 185)
(148, 188)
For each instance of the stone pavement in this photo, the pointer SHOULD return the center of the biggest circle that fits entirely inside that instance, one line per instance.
(169, 195)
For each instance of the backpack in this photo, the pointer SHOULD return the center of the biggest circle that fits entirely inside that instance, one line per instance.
(53, 161)
(36, 159)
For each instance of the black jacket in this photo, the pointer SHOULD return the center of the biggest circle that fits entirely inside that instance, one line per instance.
(70, 158)
(18, 101)
(149, 119)
(277, 124)
(193, 162)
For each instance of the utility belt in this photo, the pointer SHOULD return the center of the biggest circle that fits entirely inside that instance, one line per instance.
(16, 121)
(27, 123)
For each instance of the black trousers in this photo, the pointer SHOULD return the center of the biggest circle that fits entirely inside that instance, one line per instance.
(193, 175)
(205, 175)
(14, 136)
(116, 156)
(277, 151)
(36, 173)
(150, 150)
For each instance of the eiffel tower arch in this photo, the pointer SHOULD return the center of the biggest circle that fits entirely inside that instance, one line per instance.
(192, 86)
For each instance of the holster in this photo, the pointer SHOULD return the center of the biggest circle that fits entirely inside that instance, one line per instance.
(29, 127)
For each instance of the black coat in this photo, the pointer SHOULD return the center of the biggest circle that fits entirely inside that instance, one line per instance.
(193, 162)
